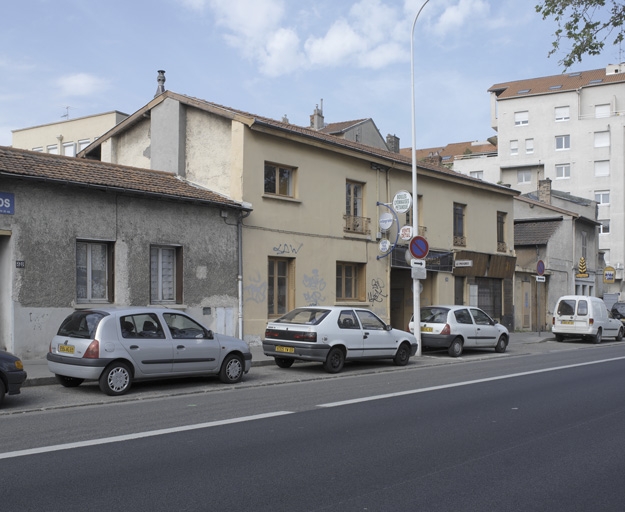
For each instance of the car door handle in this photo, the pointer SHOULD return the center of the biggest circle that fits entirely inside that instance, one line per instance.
(180, 347)
(134, 347)
(365, 335)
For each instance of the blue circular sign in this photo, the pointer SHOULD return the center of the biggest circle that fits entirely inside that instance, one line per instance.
(419, 247)
(540, 267)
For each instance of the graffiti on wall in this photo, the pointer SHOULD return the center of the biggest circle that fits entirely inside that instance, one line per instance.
(256, 290)
(314, 285)
(376, 294)
(287, 249)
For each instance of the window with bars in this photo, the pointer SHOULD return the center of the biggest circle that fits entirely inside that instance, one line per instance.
(165, 274)
(94, 262)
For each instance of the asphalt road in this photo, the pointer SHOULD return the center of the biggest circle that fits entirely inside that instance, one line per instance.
(531, 432)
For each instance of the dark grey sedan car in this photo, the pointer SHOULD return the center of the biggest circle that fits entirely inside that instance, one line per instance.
(12, 374)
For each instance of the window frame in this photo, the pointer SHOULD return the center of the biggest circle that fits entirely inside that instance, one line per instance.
(566, 171)
(602, 168)
(521, 118)
(357, 277)
(562, 113)
(276, 306)
(514, 147)
(525, 173)
(529, 146)
(156, 292)
(277, 170)
(565, 142)
(604, 228)
(600, 195)
(87, 297)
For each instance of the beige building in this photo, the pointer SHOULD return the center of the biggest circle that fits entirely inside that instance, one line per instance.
(66, 137)
(314, 235)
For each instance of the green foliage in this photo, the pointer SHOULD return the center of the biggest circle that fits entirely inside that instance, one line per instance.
(587, 24)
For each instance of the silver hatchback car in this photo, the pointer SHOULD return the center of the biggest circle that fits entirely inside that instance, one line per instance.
(457, 327)
(117, 346)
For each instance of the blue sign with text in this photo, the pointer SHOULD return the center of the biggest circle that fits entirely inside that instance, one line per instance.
(7, 203)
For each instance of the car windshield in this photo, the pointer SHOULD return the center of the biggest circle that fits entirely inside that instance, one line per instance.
(81, 324)
(619, 307)
(305, 316)
(434, 315)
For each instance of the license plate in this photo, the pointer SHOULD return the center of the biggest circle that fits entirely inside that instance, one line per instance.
(289, 350)
(67, 349)
(568, 322)
(426, 329)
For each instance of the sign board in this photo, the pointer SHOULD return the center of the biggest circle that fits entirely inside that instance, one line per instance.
(402, 201)
(386, 221)
(609, 275)
(417, 263)
(463, 263)
(7, 203)
(419, 247)
(405, 233)
(385, 245)
(418, 273)
(540, 279)
(540, 267)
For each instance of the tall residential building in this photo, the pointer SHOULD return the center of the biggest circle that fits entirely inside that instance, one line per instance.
(568, 128)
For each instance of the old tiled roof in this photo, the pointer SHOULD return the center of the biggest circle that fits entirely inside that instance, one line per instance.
(333, 128)
(453, 149)
(555, 84)
(535, 232)
(33, 165)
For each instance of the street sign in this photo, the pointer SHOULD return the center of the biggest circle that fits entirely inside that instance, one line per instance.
(463, 263)
(405, 233)
(384, 246)
(540, 267)
(417, 263)
(386, 221)
(402, 201)
(540, 279)
(419, 247)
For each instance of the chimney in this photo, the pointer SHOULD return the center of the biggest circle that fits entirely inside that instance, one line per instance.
(161, 83)
(316, 120)
(392, 143)
(544, 191)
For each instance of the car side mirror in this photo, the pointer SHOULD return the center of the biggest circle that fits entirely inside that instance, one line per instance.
(209, 335)
(388, 327)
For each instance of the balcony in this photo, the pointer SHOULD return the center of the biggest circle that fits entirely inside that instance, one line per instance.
(359, 225)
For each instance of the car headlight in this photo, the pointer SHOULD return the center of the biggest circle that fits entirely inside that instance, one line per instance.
(18, 365)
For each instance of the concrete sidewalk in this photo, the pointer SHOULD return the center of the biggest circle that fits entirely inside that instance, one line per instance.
(39, 375)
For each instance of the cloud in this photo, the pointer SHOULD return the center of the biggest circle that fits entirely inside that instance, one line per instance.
(458, 15)
(281, 53)
(81, 84)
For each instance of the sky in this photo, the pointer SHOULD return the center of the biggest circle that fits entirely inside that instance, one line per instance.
(277, 57)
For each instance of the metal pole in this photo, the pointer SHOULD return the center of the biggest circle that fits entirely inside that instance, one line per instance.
(416, 292)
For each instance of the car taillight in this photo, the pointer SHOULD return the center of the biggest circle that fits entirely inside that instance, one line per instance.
(446, 329)
(93, 350)
(271, 333)
(553, 320)
(591, 321)
(305, 336)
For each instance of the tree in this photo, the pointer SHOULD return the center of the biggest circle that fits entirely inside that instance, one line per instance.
(587, 24)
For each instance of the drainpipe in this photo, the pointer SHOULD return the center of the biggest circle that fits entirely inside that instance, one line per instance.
(240, 276)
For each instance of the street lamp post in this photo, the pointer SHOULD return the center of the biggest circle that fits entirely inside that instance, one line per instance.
(415, 210)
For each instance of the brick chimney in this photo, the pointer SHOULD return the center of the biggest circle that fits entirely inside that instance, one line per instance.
(316, 120)
(544, 191)
(392, 143)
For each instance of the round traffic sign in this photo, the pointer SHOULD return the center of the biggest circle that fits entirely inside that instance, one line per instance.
(540, 267)
(419, 247)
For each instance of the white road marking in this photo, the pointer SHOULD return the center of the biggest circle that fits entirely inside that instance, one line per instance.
(138, 435)
(458, 384)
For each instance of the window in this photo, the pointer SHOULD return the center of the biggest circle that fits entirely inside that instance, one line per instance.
(602, 139)
(602, 110)
(38, 149)
(82, 144)
(521, 118)
(478, 175)
(604, 229)
(53, 149)
(144, 325)
(563, 142)
(354, 215)
(459, 237)
(514, 147)
(562, 113)
(529, 146)
(602, 196)
(524, 176)
(94, 262)
(278, 286)
(165, 274)
(563, 171)
(350, 281)
(501, 232)
(602, 168)
(279, 180)
(69, 149)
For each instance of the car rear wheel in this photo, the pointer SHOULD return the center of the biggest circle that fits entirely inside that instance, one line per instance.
(283, 362)
(502, 344)
(455, 349)
(619, 336)
(2, 391)
(559, 338)
(231, 369)
(402, 356)
(335, 360)
(69, 382)
(116, 379)
(597, 337)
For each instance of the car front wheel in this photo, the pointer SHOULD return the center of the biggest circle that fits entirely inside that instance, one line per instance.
(231, 369)
(597, 337)
(455, 349)
(335, 360)
(116, 379)
(619, 336)
(284, 362)
(502, 344)
(402, 356)
(68, 382)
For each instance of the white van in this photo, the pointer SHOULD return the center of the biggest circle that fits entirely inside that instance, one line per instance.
(582, 316)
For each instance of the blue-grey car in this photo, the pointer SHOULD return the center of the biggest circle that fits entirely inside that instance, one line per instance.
(117, 346)
(12, 374)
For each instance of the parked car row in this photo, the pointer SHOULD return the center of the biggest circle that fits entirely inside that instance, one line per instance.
(586, 317)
